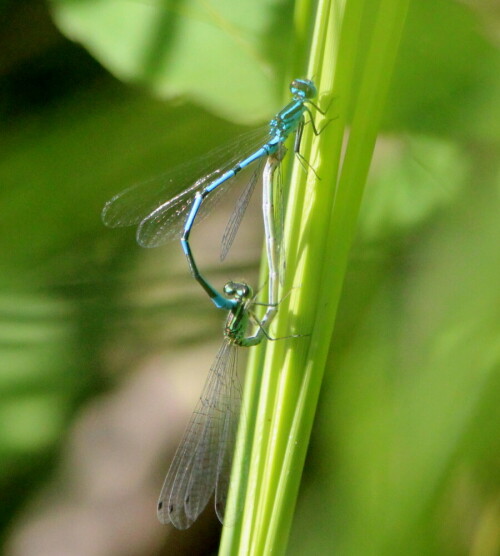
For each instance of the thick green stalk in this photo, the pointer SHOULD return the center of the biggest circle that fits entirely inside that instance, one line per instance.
(321, 221)
(333, 254)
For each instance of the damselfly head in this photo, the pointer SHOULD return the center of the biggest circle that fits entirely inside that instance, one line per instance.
(303, 88)
(238, 290)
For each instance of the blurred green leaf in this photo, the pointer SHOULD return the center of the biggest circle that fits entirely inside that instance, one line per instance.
(211, 52)
(410, 180)
(446, 70)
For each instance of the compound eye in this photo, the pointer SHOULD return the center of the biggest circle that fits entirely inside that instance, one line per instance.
(295, 86)
(243, 291)
(311, 91)
(246, 291)
(303, 87)
(229, 288)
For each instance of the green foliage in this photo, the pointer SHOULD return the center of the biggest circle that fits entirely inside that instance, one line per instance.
(217, 54)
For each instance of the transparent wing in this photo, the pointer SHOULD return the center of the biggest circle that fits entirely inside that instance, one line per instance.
(279, 220)
(166, 221)
(208, 440)
(232, 419)
(237, 215)
(165, 198)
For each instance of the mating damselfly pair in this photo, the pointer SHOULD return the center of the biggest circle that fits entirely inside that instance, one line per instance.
(168, 207)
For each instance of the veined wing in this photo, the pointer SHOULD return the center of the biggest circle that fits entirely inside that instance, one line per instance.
(232, 419)
(208, 440)
(166, 198)
(279, 220)
(237, 215)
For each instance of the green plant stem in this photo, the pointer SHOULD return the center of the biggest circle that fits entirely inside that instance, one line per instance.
(321, 222)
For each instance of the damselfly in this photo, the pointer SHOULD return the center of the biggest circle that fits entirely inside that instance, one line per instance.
(202, 463)
(168, 206)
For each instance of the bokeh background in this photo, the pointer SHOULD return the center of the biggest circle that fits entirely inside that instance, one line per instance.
(104, 346)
